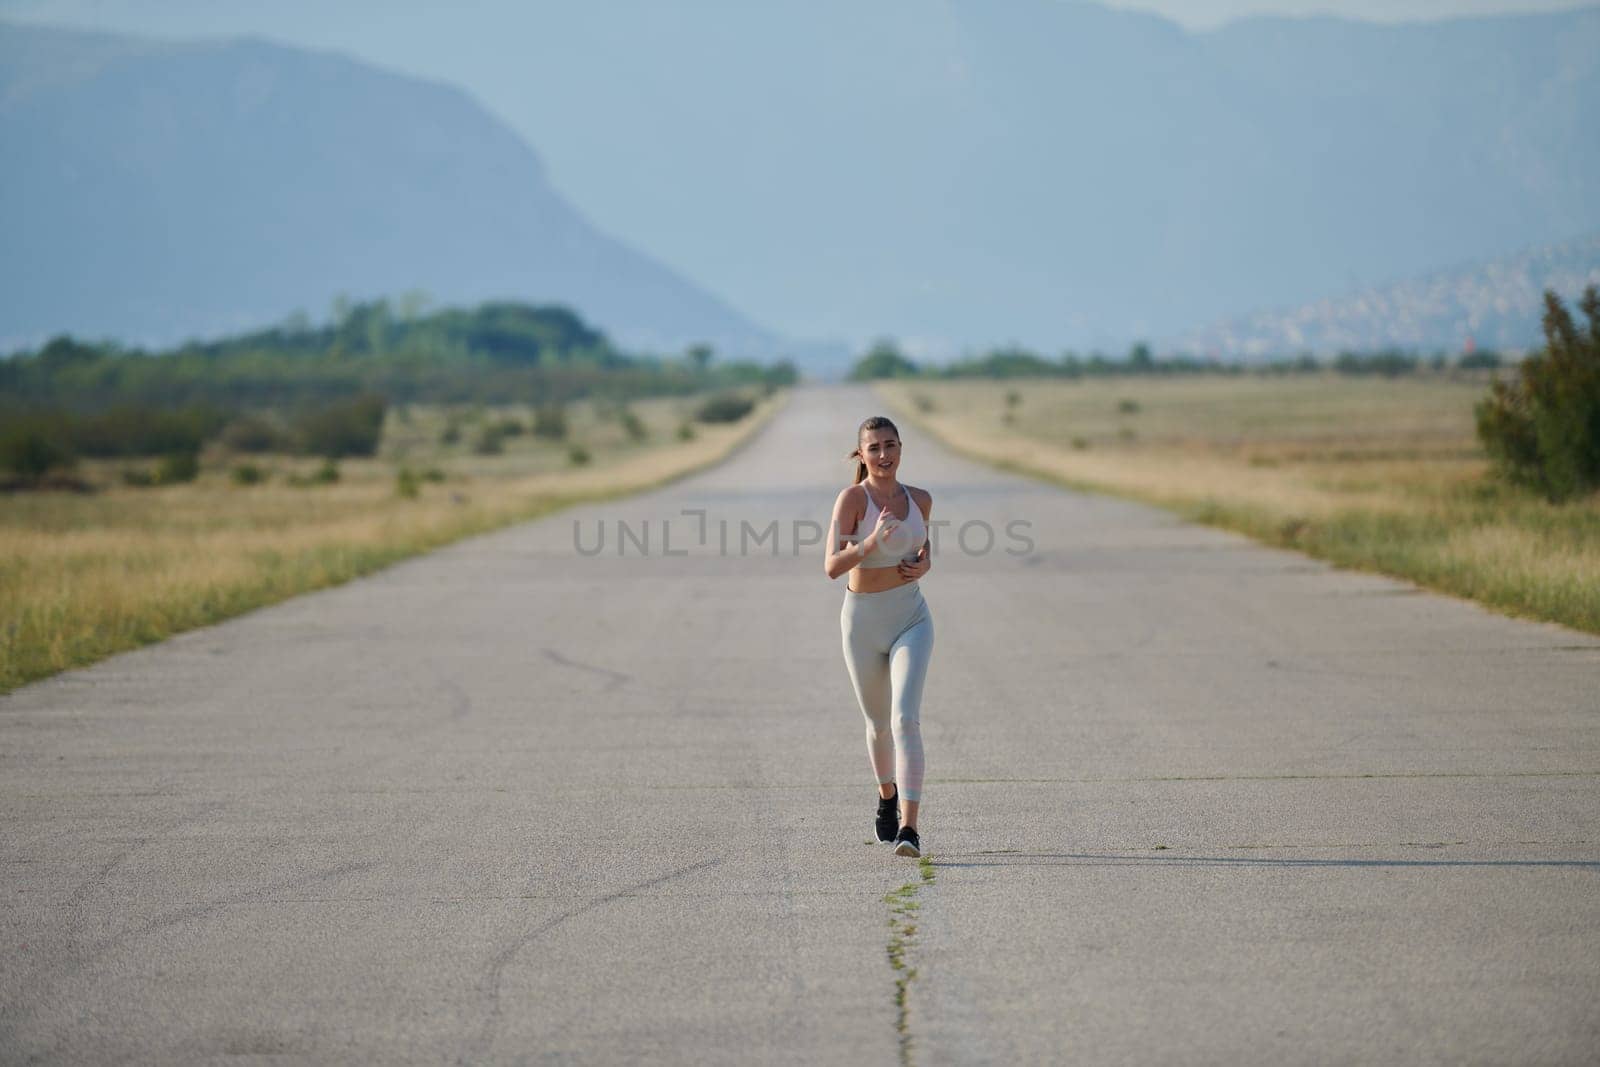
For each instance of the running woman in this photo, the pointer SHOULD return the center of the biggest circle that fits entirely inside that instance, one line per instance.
(888, 632)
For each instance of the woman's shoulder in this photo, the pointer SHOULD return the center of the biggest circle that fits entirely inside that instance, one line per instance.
(923, 498)
(855, 495)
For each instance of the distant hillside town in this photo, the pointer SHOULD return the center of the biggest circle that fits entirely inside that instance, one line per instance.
(1495, 304)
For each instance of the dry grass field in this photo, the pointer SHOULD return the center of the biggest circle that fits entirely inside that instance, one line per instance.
(84, 575)
(1375, 474)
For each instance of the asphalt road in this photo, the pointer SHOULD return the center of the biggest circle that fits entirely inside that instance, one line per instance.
(1190, 800)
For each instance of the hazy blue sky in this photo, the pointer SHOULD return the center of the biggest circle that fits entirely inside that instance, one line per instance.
(211, 16)
(1199, 14)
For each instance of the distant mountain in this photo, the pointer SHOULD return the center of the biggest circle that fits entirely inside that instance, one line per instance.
(154, 192)
(951, 172)
(1496, 304)
(970, 172)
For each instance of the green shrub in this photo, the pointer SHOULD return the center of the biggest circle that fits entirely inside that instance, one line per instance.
(451, 434)
(248, 474)
(633, 426)
(170, 469)
(140, 430)
(724, 407)
(490, 442)
(31, 449)
(176, 467)
(1389, 362)
(685, 431)
(327, 474)
(510, 427)
(550, 422)
(407, 484)
(578, 455)
(1128, 407)
(1543, 428)
(433, 474)
(254, 434)
(1013, 398)
(344, 428)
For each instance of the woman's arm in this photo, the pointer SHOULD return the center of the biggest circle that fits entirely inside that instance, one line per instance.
(843, 557)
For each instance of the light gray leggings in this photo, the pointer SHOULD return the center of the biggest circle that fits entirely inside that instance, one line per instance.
(888, 640)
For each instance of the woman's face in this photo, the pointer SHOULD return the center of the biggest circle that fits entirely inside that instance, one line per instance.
(880, 451)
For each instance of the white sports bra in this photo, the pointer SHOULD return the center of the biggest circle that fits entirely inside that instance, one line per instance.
(903, 541)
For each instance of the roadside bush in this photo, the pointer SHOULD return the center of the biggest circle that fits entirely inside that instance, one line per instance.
(254, 434)
(327, 474)
(633, 426)
(1390, 363)
(550, 422)
(31, 449)
(1543, 427)
(1128, 407)
(248, 474)
(407, 484)
(578, 455)
(724, 407)
(345, 428)
(451, 435)
(490, 441)
(133, 430)
(176, 467)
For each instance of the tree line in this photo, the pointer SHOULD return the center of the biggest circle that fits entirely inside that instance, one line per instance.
(884, 359)
(323, 389)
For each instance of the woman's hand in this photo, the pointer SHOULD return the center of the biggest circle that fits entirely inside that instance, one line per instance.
(916, 569)
(883, 528)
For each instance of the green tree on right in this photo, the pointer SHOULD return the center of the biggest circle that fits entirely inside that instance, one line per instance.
(1543, 427)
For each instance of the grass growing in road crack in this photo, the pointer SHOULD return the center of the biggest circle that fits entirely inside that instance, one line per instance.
(903, 908)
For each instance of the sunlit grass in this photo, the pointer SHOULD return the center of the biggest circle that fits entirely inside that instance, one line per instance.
(1383, 475)
(86, 575)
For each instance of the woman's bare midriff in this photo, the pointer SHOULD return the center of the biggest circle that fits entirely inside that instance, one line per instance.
(876, 579)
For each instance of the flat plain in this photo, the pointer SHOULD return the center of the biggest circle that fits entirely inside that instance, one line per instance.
(1372, 473)
(85, 575)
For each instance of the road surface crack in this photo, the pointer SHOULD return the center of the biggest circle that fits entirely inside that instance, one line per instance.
(903, 908)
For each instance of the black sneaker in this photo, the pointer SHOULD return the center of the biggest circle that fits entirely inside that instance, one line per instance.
(907, 843)
(888, 816)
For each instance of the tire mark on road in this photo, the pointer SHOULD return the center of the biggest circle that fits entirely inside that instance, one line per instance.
(614, 678)
(78, 961)
(497, 966)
